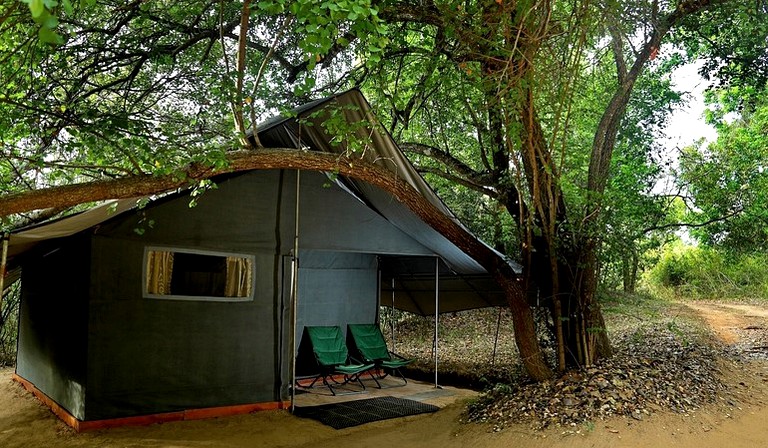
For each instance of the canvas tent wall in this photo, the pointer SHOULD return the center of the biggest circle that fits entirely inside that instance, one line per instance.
(95, 342)
(137, 354)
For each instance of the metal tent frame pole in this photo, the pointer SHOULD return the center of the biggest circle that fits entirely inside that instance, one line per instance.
(437, 311)
(295, 292)
(392, 316)
(3, 266)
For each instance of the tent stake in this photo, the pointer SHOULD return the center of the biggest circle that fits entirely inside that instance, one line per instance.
(295, 293)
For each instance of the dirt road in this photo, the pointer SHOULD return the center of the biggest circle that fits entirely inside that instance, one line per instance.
(737, 422)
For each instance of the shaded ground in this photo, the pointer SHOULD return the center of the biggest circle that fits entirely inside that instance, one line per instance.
(739, 420)
(665, 361)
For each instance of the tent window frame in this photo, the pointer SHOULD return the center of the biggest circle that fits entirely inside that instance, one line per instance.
(201, 298)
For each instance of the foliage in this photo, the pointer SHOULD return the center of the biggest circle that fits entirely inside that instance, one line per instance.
(146, 87)
(706, 273)
(728, 179)
(9, 325)
(732, 40)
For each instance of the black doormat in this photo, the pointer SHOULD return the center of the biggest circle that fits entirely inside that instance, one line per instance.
(357, 412)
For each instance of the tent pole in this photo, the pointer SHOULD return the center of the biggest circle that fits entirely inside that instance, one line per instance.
(3, 262)
(378, 292)
(392, 315)
(437, 308)
(295, 292)
(496, 339)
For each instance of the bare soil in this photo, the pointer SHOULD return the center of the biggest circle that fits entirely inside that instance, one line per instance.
(739, 421)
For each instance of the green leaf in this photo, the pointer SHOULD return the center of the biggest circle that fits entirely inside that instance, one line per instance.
(36, 7)
(48, 36)
(50, 21)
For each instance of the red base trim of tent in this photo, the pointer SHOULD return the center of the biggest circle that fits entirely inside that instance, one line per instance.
(142, 420)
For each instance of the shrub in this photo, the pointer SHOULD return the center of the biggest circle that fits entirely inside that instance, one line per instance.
(707, 273)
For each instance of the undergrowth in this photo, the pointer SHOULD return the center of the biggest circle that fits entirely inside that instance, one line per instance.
(709, 274)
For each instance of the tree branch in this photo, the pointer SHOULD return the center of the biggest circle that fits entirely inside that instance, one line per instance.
(461, 181)
(237, 101)
(605, 136)
(693, 225)
(464, 171)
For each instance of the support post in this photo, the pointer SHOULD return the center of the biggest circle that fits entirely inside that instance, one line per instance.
(295, 291)
(437, 314)
(392, 317)
(3, 265)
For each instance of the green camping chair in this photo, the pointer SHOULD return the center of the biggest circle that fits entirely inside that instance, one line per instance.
(372, 348)
(331, 354)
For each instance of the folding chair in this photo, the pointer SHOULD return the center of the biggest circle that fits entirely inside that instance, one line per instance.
(372, 348)
(332, 356)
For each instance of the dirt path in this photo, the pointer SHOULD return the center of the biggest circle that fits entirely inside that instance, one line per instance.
(738, 422)
(743, 326)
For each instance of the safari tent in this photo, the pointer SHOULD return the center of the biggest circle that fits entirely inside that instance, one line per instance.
(178, 311)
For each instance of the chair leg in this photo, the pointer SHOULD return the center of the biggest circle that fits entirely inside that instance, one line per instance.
(400, 374)
(394, 373)
(373, 377)
(347, 379)
(358, 379)
(329, 380)
(328, 385)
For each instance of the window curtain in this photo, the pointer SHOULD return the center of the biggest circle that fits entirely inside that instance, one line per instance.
(239, 272)
(159, 272)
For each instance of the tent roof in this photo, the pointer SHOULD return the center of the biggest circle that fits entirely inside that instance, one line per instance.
(465, 283)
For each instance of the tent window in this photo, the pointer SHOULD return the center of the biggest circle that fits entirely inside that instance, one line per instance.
(176, 274)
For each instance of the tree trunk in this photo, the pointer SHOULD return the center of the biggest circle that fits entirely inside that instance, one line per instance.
(629, 267)
(566, 271)
(129, 187)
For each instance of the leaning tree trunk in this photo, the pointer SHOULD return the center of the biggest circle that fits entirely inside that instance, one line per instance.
(144, 185)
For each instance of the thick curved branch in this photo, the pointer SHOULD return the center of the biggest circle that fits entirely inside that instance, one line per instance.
(403, 192)
(618, 53)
